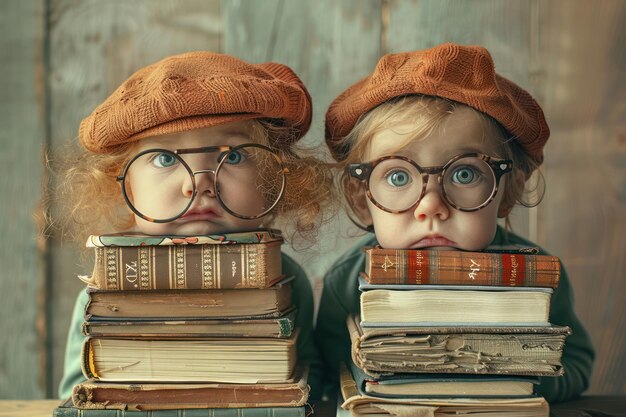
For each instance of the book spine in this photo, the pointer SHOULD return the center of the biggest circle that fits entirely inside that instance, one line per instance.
(414, 267)
(186, 267)
(210, 412)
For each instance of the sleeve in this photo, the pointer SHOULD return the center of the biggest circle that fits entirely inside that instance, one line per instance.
(578, 353)
(302, 296)
(340, 298)
(72, 372)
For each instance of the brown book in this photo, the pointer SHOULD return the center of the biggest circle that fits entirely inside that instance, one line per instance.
(499, 268)
(532, 351)
(224, 360)
(251, 327)
(141, 262)
(94, 394)
(190, 304)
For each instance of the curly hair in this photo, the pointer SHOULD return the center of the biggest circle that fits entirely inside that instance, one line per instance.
(89, 199)
(425, 114)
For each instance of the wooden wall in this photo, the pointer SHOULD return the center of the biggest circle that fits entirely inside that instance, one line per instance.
(60, 58)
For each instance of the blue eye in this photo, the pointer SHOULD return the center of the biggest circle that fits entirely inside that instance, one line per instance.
(465, 175)
(398, 178)
(234, 158)
(164, 160)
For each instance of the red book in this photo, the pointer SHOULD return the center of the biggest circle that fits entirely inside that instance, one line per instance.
(497, 268)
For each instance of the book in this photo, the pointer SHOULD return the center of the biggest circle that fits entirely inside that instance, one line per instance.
(94, 394)
(190, 304)
(142, 262)
(362, 404)
(66, 409)
(509, 267)
(444, 385)
(422, 305)
(251, 327)
(226, 360)
(533, 351)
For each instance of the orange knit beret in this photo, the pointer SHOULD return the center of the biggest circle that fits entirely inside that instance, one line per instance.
(465, 74)
(196, 90)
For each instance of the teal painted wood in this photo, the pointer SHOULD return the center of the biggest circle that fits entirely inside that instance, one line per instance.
(22, 137)
(94, 47)
(330, 45)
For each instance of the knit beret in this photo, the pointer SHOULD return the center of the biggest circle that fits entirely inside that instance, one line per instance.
(195, 90)
(465, 74)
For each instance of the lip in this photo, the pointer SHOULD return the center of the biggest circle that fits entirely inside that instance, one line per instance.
(201, 214)
(432, 241)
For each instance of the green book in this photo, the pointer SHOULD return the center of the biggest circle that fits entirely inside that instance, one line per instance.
(66, 409)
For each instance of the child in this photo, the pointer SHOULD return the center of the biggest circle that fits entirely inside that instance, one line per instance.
(476, 137)
(189, 139)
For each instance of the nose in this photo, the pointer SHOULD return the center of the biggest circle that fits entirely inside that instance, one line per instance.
(432, 204)
(205, 184)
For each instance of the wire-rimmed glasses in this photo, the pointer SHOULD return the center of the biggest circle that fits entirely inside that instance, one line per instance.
(248, 180)
(467, 182)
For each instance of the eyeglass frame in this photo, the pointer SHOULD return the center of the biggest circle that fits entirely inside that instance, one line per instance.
(367, 168)
(224, 150)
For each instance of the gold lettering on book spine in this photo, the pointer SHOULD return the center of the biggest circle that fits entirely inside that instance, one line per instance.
(144, 268)
(179, 265)
(256, 264)
(111, 269)
(208, 274)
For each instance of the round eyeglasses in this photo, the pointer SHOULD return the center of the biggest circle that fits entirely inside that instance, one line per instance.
(467, 182)
(160, 186)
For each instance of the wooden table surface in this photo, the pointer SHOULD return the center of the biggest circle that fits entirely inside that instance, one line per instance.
(589, 406)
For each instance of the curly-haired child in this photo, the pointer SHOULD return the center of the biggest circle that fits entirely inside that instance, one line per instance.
(198, 143)
(434, 147)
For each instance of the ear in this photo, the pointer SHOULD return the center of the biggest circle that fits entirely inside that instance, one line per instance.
(355, 193)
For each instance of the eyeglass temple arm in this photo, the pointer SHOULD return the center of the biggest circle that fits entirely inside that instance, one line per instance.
(359, 171)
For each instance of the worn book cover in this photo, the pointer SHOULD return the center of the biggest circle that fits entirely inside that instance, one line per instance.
(445, 305)
(362, 404)
(94, 394)
(533, 351)
(502, 268)
(67, 409)
(190, 304)
(142, 262)
(249, 327)
(225, 360)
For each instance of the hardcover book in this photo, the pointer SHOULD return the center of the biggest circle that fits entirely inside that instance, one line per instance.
(190, 304)
(500, 268)
(432, 305)
(142, 262)
(66, 409)
(94, 394)
(532, 351)
(226, 360)
(362, 404)
(251, 327)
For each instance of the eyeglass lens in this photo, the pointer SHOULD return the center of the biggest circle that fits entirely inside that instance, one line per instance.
(247, 181)
(397, 184)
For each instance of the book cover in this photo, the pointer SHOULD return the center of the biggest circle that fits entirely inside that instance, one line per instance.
(189, 304)
(362, 404)
(141, 262)
(94, 394)
(532, 351)
(224, 360)
(66, 409)
(250, 327)
(502, 268)
(431, 305)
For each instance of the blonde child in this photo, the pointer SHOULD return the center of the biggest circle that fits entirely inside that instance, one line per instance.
(434, 146)
(198, 143)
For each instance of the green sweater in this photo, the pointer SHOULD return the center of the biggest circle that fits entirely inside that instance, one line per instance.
(302, 297)
(340, 297)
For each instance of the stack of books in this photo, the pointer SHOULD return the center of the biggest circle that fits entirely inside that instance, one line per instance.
(449, 332)
(198, 323)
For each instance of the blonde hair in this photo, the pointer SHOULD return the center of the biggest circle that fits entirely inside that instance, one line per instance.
(425, 114)
(89, 199)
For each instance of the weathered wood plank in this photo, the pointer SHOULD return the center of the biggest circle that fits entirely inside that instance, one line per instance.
(94, 46)
(330, 45)
(22, 135)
